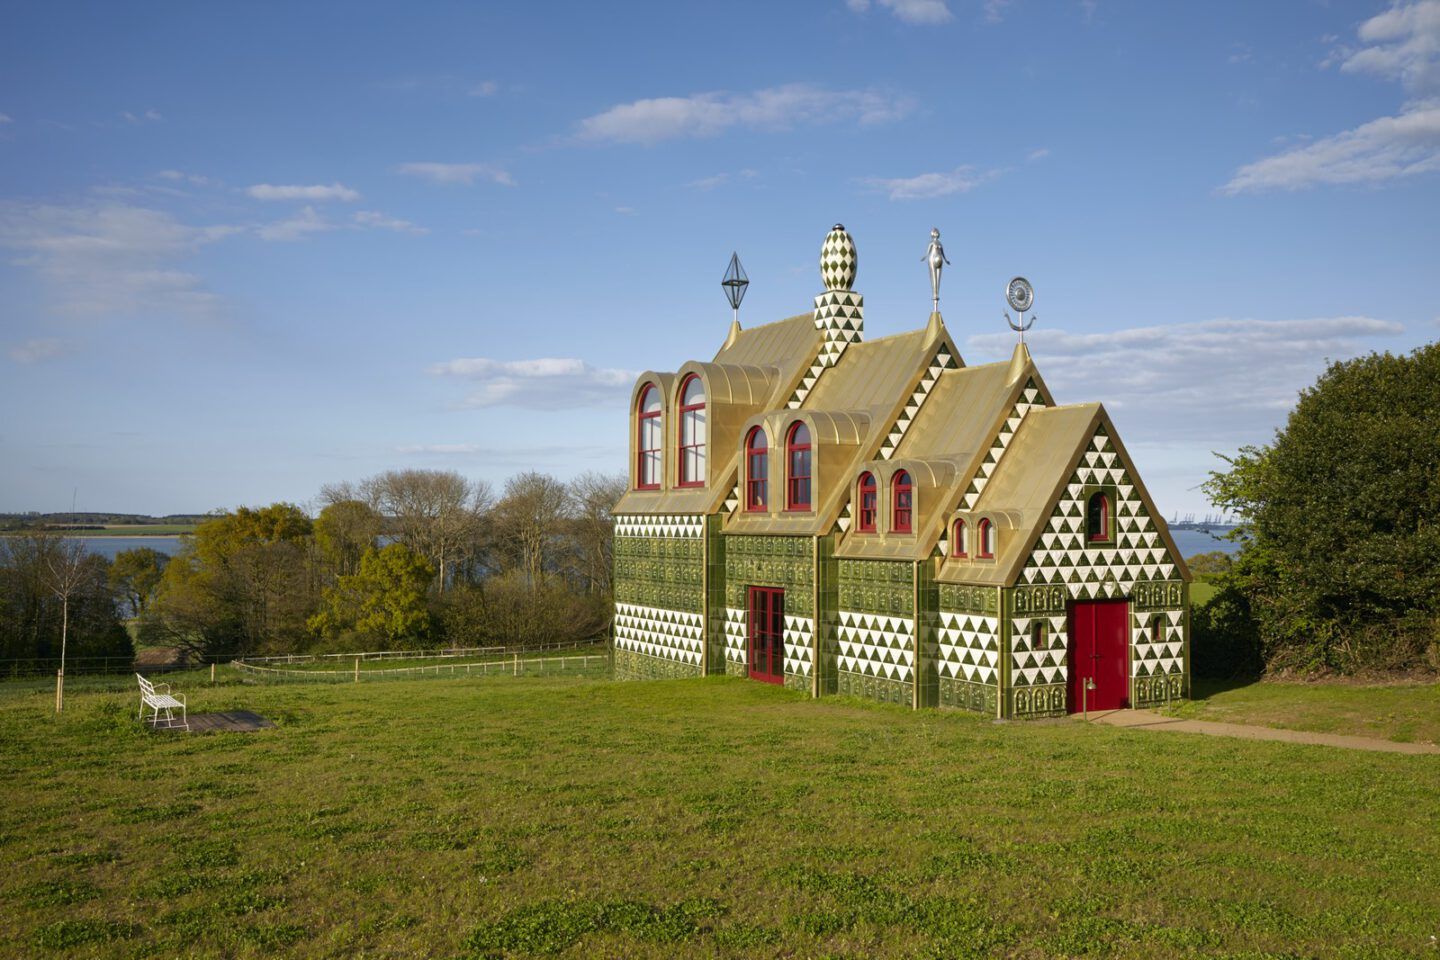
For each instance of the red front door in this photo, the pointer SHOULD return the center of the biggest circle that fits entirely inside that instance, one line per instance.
(1099, 653)
(767, 634)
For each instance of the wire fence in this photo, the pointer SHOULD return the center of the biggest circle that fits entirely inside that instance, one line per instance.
(594, 666)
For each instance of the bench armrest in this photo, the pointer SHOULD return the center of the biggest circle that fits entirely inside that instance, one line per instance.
(162, 688)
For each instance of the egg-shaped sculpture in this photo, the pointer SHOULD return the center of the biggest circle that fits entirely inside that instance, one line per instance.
(838, 260)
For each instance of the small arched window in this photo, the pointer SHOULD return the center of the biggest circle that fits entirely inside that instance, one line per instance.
(1039, 635)
(986, 547)
(1157, 628)
(797, 468)
(868, 495)
(647, 467)
(757, 470)
(902, 503)
(692, 432)
(959, 547)
(1097, 517)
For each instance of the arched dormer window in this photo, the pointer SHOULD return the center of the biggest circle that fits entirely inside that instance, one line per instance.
(1097, 517)
(692, 432)
(959, 545)
(985, 549)
(902, 502)
(797, 467)
(647, 467)
(868, 497)
(757, 470)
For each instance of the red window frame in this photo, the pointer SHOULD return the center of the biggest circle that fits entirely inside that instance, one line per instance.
(869, 498)
(757, 481)
(985, 532)
(644, 454)
(902, 507)
(797, 468)
(1101, 532)
(694, 449)
(958, 546)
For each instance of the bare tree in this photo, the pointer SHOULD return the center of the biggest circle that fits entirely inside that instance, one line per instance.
(65, 572)
(527, 519)
(594, 495)
(436, 513)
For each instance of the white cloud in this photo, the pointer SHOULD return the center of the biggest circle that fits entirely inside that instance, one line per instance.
(180, 176)
(1222, 381)
(1404, 45)
(1389, 148)
(314, 193)
(110, 258)
(1038, 154)
(486, 89)
(37, 349)
(914, 11)
(927, 186)
(625, 211)
(297, 227)
(994, 10)
(150, 115)
(373, 218)
(5, 118)
(1401, 44)
(466, 173)
(710, 114)
(547, 383)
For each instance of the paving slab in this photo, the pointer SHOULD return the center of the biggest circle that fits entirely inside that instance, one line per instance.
(1150, 720)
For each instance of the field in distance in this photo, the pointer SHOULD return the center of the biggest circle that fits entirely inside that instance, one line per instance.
(515, 817)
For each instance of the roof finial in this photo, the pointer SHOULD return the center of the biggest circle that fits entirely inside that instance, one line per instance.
(1021, 297)
(935, 254)
(734, 285)
(838, 259)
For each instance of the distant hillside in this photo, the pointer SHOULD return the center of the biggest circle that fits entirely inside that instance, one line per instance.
(13, 522)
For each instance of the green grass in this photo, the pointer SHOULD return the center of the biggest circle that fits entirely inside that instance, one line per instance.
(343, 663)
(549, 817)
(140, 530)
(1407, 712)
(1201, 592)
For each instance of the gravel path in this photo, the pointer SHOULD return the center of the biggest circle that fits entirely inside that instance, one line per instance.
(1150, 720)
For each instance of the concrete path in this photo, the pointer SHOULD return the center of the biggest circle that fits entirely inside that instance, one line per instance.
(1150, 720)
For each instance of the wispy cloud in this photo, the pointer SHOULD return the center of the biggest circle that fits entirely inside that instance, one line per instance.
(463, 173)
(312, 193)
(720, 179)
(1401, 44)
(995, 10)
(486, 89)
(926, 186)
(37, 349)
(180, 176)
(1038, 154)
(711, 114)
(912, 11)
(111, 258)
(6, 118)
(547, 383)
(379, 221)
(1223, 381)
(510, 456)
(304, 223)
(149, 116)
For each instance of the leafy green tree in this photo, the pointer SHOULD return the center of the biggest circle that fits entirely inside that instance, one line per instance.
(344, 530)
(134, 575)
(386, 601)
(1340, 566)
(33, 614)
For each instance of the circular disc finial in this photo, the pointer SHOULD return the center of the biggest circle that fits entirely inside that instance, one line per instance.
(838, 260)
(1019, 294)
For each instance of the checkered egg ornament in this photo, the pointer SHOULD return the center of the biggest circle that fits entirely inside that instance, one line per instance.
(838, 260)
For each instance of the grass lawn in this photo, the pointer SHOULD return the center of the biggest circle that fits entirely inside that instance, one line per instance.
(505, 817)
(1408, 712)
(1201, 591)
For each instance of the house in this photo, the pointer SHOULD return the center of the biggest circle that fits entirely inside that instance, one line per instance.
(875, 518)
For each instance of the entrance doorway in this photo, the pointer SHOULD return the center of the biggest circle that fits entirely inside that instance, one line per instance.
(767, 634)
(1099, 655)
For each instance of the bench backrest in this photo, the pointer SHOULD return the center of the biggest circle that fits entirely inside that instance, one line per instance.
(146, 687)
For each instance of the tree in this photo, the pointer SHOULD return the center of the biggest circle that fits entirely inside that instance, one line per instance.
(134, 575)
(1340, 565)
(528, 518)
(385, 601)
(593, 496)
(344, 530)
(65, 572)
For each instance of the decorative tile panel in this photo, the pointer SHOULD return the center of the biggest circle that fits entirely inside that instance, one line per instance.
(664, 525)
(786, 562)
(884, 587)
(876, 646)
(969, 648)
(840, 317)
(656, 632)
(1030, 399)
(939, 363)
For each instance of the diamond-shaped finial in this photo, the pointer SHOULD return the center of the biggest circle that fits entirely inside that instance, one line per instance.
(838, 259)
(735, 282)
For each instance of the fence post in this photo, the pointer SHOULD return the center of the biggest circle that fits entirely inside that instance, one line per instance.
(212, 673)
(517, 664)
(357, 669)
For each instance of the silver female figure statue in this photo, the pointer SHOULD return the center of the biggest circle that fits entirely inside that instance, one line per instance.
(935, 254)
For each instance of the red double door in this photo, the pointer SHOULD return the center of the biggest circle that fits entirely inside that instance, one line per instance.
(1099, 655)
(767, 634)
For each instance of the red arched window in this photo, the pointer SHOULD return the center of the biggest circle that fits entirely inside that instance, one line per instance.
(986, 547)
(1097, 518)
(797, 467)
(868, 498)
(902, 503)
(647, 468)
(692, 432)
(958, 546)
(757, 470)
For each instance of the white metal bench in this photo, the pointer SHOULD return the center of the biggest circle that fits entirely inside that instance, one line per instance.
(163, 704)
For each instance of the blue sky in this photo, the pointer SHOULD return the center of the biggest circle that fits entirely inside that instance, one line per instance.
(246, 250)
